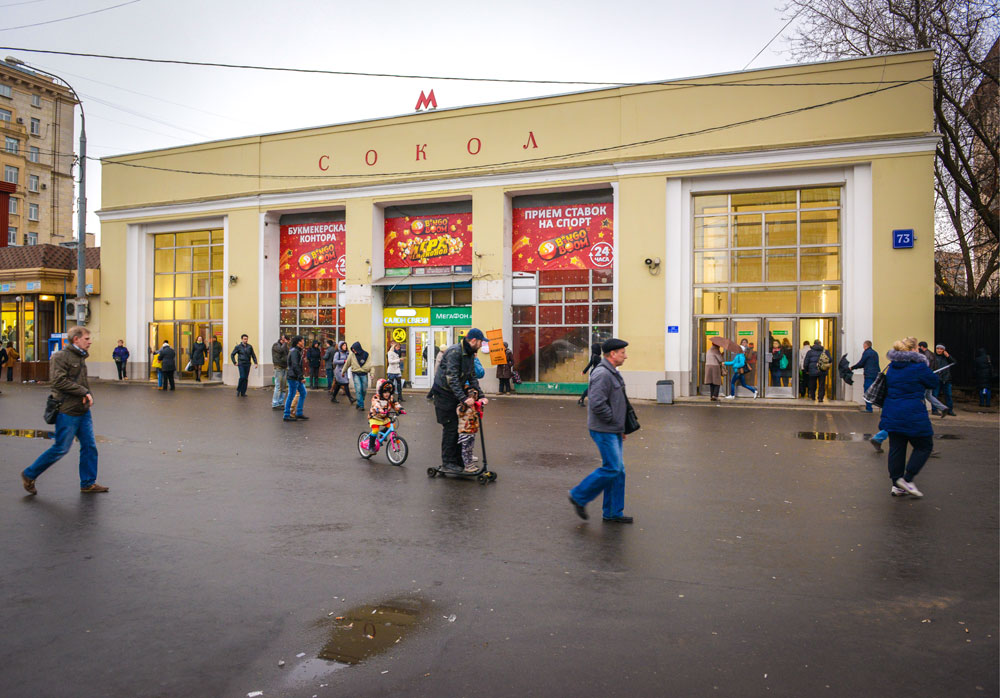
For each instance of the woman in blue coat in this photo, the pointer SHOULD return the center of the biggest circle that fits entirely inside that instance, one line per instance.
(738, 363)
(904, 415)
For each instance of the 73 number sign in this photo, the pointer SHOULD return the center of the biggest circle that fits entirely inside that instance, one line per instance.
(902, 239)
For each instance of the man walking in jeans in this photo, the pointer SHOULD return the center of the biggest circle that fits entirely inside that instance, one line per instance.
(69, 384)
(606, 421)
(242, 355)
(279, 357)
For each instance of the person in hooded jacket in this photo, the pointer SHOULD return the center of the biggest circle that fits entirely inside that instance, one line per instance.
(984, 376)
(340, 359)
(168, 364)
(314, 356)
(331, 349)
(594, 362)
(506, 371)
(815, 374)
(904, 415)
(359, 366)
(739, 365)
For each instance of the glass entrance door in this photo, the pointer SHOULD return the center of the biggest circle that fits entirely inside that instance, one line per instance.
(825, 330)
(420, 374)
(779, 358)
(747, 333)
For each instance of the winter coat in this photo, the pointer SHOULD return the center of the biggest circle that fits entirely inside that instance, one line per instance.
(198, 351)
(3, 355)
(358, 364)
(713, 367)
(907, 378)
(279, 355)
(869, 362)
(243, 354)
(119, 354)
(314, 355)
(811, 365)
(68, 371)
(216, 349)
(168, 358)
(457, 369)
(944, 375)
(295, 364)
(468, 417)
(331, 349)
(930, 356)
(506, 371)
(392, 363)
(478, 366)
(339, 359)
(380, 407)
(983, 369)
(738, 362)
(844, 367)
(606, 404)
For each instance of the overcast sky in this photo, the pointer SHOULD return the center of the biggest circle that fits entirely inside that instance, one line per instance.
(139, 106)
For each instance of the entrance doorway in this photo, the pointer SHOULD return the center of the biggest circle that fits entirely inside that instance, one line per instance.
(182, 336)
(774, 351)
(424, 346)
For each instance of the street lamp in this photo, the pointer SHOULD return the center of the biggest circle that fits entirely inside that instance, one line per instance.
(81, 237)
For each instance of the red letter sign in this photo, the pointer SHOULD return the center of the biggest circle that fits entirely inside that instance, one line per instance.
(426, 101)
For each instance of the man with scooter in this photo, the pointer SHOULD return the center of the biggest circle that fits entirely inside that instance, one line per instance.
(456, 373)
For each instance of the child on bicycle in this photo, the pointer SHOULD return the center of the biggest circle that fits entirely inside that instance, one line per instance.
(384, 401)
(468, 427)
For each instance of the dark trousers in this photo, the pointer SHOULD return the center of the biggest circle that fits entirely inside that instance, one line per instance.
(898, 466)
(504, 385)
(337, 387)
(447, 417)
(714, 389)
(817, 387)
(313, 376)
(803, 383)
(168, 379)
(120, 365)
(197, 372)
(241, 387)
(10, 373)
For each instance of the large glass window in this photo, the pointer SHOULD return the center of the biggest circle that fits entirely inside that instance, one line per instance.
(188, 276)
(313, 308)
(788, 240)
(557, 315)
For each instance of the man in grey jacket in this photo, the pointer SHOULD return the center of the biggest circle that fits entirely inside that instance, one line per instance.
(279, 357)
(606, 422)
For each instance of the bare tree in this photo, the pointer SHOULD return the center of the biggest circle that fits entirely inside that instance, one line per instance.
(961, 33)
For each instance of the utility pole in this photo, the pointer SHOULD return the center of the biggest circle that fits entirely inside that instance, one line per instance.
(80, 306)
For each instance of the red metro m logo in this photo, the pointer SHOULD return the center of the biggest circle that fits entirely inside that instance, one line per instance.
(427, 101)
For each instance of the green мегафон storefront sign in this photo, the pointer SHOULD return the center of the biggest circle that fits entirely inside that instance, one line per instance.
(451, 316)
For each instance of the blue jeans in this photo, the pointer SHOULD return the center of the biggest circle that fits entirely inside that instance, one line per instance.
(299, 387)
(609, 478)
(397, 383)
(737, 376)
(280, 387)
(241, 387)
(67, 427)
(159, 378)
(868, 384)
(360, 386)
(881, 436)
(329, 378)
(943, 391)
(984, 397)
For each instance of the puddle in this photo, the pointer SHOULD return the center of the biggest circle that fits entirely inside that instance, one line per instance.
(952, 437)
(41, 434)
(365, 631)
(852, 436)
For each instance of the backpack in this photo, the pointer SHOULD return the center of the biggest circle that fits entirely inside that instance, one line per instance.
(783, 364)
(823, 363)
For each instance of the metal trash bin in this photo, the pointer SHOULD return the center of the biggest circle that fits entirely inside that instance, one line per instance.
(665, 392)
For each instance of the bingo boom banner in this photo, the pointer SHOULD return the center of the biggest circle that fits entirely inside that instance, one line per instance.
(577, 236)
(428, 241)
(312, 251)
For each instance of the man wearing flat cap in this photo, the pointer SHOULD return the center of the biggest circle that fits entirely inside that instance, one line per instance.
(456, 372)
(606, 422)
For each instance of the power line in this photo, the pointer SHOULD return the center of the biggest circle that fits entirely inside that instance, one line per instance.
(320, 71)
(63, 19)
(26, 2)
(780, 32)
(546, 158)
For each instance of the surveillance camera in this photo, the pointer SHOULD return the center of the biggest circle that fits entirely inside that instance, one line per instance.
(648, 261)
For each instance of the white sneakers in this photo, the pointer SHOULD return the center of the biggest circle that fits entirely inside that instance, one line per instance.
(908, 487)
(756, 394)
(730, 397)
(897, 492)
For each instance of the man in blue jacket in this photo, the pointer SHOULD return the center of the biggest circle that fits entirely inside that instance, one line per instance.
(869, 362)
(606, 422)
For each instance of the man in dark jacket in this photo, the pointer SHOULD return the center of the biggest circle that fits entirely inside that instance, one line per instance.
(295, 386)
(815, 374)
(242, 356)
(943, 391)
(456, 373)
(168, 364)
(984, 376)
(68, 370)
(606, 422)
(869, 362)
(279, 357)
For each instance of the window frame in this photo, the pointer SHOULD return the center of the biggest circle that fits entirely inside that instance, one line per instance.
(35, 127)
(7, 170)
(33, 183)
(33, 212)
(8, 141)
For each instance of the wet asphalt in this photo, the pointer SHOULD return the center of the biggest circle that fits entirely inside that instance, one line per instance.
(760, 563)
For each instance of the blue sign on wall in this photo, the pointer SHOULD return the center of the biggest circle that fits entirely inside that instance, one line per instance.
(673, 329)
(902, 239)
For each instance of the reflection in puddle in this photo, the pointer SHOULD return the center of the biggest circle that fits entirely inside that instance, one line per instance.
(41, 434)
(852, 436)
(365, 631)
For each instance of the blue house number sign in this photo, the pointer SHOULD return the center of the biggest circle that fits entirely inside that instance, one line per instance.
(902, 239)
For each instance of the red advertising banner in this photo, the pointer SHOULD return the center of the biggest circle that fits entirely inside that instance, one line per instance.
(576, 236)
(312, 251)
(428, 241)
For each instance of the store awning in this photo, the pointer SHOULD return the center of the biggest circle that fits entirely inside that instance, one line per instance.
(423, 280)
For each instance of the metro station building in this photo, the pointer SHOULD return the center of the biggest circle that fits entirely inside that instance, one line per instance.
(779, 206)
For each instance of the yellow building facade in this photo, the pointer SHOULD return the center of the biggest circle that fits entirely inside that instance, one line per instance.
(775, 206)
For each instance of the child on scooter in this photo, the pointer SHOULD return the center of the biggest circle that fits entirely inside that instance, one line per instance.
(384, 401)
(468, 427)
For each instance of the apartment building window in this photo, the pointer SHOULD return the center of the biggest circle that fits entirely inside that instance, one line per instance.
(11, 235)
(36, 101)
(12, 145)
(31, 238)
(36, 127)
(32, 212)
(10, 174)
(5, 115)
(12, 207)
(5, 91)
(33, 183)
(33, 154)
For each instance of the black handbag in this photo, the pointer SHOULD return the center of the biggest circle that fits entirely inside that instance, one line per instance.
(52, 405)
(878, 390)
(631, 421)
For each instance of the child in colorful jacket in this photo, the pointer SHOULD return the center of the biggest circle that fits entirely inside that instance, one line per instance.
(384, 401)
(468, 427)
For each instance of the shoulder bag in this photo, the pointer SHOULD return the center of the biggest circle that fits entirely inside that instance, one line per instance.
(878, 390)
(52, 405)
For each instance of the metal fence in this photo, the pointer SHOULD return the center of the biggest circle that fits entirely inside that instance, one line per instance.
(964, 325)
